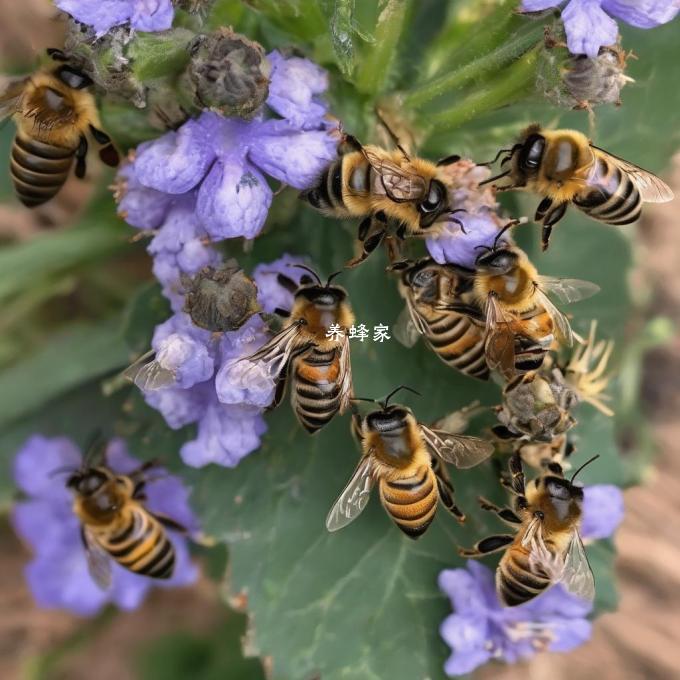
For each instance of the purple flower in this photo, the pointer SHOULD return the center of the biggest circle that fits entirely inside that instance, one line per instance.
(270, 293)
(102, 15)
(589, 24)
(58, 574)
(481, 629)
(603, 511)
(224, 161)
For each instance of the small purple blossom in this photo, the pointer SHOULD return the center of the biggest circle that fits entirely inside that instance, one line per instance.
(58, 574)
(589, 24)
(603, 511)
(481, 629)
(102, 15)
(270, 294)
(224, 161)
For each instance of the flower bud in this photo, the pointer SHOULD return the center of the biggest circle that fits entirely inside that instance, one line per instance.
(220, 299)
(228, 73)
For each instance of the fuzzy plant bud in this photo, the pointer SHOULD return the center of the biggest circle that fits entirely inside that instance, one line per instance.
(220, 299)
(228, 73)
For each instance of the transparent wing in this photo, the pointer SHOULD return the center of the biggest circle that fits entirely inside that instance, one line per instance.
(98, 560)
(652, 188)
(276, 353)
(499, 343)
(353, 498)
(561, 321)
(400, 184)
(10, 96)
(149, 376)
(577, 576)
(568, 290)
(405, 330)
(345, 375)
(457, 421)
(461, 450)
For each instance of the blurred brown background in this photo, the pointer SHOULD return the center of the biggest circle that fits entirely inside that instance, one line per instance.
(641, 640)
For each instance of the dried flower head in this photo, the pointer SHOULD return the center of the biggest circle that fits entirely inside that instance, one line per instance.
(228, 73)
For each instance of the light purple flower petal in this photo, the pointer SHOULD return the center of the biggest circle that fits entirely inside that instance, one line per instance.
(44, 523)
(37, 460)
(603, 510)
(100, 14)
(178, 407)
(463, 589)
(588, 27)
(138, 205)
(152, 15)
(643, 13)
(179, 227)
(293, 157)
(270, 293)
(466, 635)
(233, 200)
(539, 5)
(167, 495)
(570, 633)
(176, 162)
(226, 435)
(455, 246)
(293, 89)
(188, 359)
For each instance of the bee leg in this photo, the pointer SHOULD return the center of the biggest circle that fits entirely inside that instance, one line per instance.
(364, 226)
(543, 207)
(287, 283)
(169, 523)
(349, 143)
(551, 218)
(446, 496)
(488, 545)
(448, 160)
(283, 313)
(516, 474)
(81, 152)
(506, 514)
(369, 245)
(280, 391)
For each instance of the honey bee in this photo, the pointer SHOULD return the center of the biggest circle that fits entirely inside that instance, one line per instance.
(405, 458)
(306, 350)
(453, 337)
(383, 187)
(54, 115)
(546, 548)
(115, 524)
(565, 167)
(521, 323)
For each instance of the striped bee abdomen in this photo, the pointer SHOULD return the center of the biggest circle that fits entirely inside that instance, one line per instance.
(612, 196)
(316, 387)
(459, 343)
(38, 170)
(140, 545)
(412, 501)
(515, 580)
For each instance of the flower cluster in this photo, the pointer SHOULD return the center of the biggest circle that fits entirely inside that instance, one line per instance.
(102, 15)
(589, 24)
(481, 629)
(58, 574)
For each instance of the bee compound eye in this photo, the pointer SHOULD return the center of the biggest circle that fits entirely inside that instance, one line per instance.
(434, 200)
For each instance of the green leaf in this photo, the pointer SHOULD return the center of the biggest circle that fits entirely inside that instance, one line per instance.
(144, 312)
(158, 55)
(341, 28)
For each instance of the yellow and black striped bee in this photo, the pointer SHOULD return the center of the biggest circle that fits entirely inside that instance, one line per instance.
(453, 337)
(521, 323)
(116, 525)
(383, 187)
(546, 548)
(312, 350)
(565, 167)
(405, 458)
(54, 115)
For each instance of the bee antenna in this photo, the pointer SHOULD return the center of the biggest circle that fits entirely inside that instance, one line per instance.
(62, 470)
(588, 462)
(332, 276)
(373, 401)
(94, 448)
(386, 400)
(307, 269)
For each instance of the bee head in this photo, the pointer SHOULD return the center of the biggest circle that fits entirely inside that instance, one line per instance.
(390, 419)
(497, 261)
(87, 482)
(422, 274)
(433, 205)
(531, 152)
(323, 297)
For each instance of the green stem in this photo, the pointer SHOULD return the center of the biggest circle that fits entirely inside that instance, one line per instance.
(474, 70)
(513, 84)
(376, 64)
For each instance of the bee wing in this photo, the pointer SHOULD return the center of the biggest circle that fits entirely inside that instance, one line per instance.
(400, 185)
(461, 450)
(577, 576)
(98, 560)
(457, 421)
(149, 376)
(276, 352)
(353, 498)
(561, 321)
(406, 330)
(652, 188)
(10, 97)
(568, 290)
(499, 344)
(346, 373)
